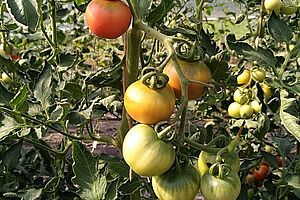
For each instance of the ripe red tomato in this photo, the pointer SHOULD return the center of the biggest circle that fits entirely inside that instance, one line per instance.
(108, 18)
(279, 160)
(196, 71)
(261, 173)
(149, 106)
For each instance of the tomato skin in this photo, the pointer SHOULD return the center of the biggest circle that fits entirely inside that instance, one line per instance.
(273, 5)
(244, 77)
(213, 188)
(234, 110)
(241, 95)
(258, 74)
(177, 185)
(250, 179)
(149, 106)
(196, 71)
(108, 18)
(246, 111)
(6, 78)
(288, 10)
(206, 158)
(279, 161)
(145, 153)
(255, 106)
(261, 173)
(267, 91)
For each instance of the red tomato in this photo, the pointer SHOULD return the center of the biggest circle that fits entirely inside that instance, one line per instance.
(108, 18)
(261, 173)
(279, 160)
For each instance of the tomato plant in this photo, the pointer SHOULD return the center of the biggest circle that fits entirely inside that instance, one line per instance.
(108, 18)
(142, 150)
(193, 71)
(147, 105)
(178, 184)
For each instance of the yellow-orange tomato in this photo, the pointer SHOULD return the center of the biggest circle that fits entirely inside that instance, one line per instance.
(108, 18)
(244, 77)
(149, 106)
(196, 71)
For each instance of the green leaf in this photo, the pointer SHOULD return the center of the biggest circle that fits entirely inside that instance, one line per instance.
(25, 13)
(112, 192)
(42, 90)
(11, 156)
(294, 181)
(7, 125)
(279, 30)
(289, 114)
(66, 61)
(88, 177)
(145, 6)
(263, 126)
(19, 102)
(284, 146)
(262, 56)
(160, 11)
(75, 90)
(31, 194)
(5, 96)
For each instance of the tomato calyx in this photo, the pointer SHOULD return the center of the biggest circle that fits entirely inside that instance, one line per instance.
(154, 79)
(191, 53)
(163, 134)
(219, 170)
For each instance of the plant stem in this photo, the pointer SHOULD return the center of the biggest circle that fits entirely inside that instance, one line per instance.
(53, 23)
(206, 148)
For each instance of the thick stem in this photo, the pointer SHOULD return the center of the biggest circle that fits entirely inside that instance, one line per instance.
(206, 148)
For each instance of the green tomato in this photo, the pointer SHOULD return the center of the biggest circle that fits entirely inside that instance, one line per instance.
(288, 10)
(241, 95)
(214, 188)
(244, 77)
(246, 111)
(273, 5)
(258, 74)
(205, 159)
(146, 153)
(234, 110)
(177, 184)
(6, 78)
(256, 106)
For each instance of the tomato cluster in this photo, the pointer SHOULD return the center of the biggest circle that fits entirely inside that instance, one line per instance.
(246, 102)
(280, 7)
(257, 175)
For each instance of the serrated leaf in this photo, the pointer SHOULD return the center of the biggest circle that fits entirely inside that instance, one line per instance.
(7, 125)
(87, 169)
(279, 30)
(19, 102)
(160, 11)
(262, 56)
(11, 156)
(25, 13)
(5, 96)
(289, 114)
(42, 89)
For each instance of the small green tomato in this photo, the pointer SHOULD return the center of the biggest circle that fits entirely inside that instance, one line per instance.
(256, 106)
(246, 111)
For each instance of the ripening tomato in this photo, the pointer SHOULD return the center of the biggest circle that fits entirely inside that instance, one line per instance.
(255, 105)
(196, 71)
(273, 5)
(250, 179)
(261, 173)
(244, 77)
(149, 106)
(108, 18)
(267, 90)
(242, 95)
(234, 110)
(177, 184)
(246, 111)
(258, 74)
(145, 152)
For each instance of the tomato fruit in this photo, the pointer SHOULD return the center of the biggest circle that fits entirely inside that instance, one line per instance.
(273, 5)
(267, 91)
(244, 77)
(234, 110)
(6, 78)
(214, 188)
(241, 95)
(288, 10)
(255, 106)
(246, 111)
(177, 184)
(250, 179)
(145, 152)
(258, 74)
(261, 173)
(196, 71)
(279, 161)
(149, 106)
(205, 159)
(108, 18)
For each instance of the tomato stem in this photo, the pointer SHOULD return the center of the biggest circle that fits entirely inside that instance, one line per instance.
(202, 147)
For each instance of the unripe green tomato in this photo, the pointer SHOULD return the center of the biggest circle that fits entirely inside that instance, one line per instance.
(244, 77)
(256, 106)
(273, 5)
(288, 10)
(246, 111)
(234, 110)
(6, 78)
(258, 74)
(241, 95)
